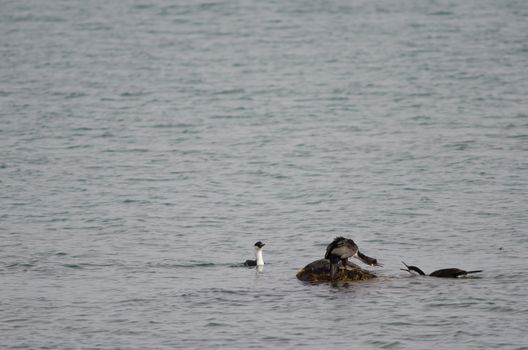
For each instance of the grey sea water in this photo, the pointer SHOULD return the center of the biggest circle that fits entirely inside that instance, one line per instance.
(146, 145)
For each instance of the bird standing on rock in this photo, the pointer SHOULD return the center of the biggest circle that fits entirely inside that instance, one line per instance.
(340, 250)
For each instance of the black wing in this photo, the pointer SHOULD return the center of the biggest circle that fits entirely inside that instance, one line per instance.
(337, 242)
(451, 273)
(250, 263)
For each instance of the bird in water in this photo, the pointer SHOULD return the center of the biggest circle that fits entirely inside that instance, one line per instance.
(258, 256)
(340, 250)
(445, 273)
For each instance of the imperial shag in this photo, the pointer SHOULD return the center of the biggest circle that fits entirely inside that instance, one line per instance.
(258, 256)
(340, 250)
(445, 273)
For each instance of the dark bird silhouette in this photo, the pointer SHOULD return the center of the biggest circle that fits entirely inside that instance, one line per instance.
(259, 261)
(444, 273)
(340, 250)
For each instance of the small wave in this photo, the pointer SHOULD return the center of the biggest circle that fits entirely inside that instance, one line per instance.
(519, 136)
(32, 18)
(135, 301)
(184, 265)
(171, 125)
(17, 264)
(230, 91)
(132, 94)
(72, 266)
(132, 201)
(441, 13)
(80, 266)
(386, 344)
(142, 6)
(226, 116)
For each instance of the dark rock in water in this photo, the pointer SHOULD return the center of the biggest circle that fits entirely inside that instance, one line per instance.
(319, 271)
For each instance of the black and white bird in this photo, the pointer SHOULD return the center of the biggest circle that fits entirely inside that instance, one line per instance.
(259, 261)
(340, 250)
(445, 273)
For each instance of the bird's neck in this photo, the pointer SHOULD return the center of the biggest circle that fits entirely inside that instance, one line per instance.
(258, 256)
(414, 268)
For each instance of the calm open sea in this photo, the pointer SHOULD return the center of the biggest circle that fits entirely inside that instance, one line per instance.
(145, 146)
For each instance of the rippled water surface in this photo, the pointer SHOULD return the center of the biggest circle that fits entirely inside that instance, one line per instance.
(146, 146)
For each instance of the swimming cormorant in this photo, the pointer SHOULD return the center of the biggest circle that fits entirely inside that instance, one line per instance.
(258, 256)
(445, 273)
